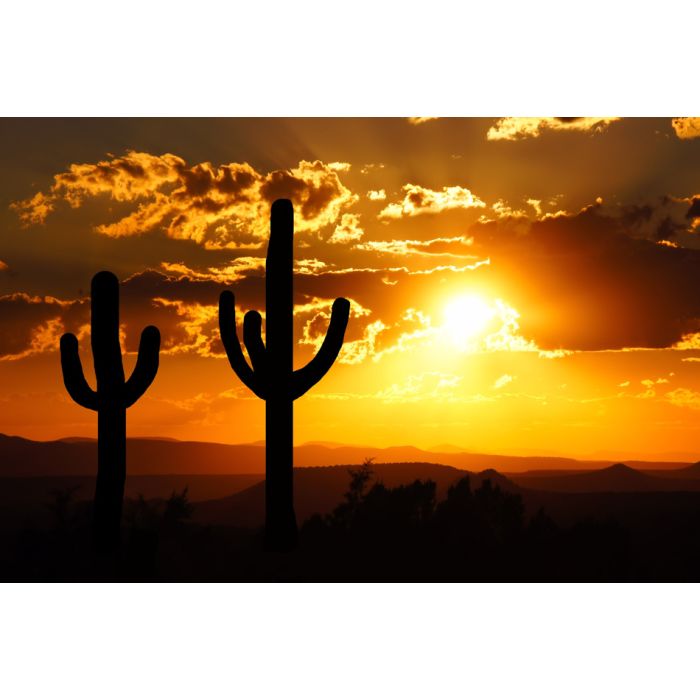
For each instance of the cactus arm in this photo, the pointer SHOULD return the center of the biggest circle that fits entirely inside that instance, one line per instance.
(303, 379)
(146, 366)
(229, 337)
(252, 338)
(73, 376)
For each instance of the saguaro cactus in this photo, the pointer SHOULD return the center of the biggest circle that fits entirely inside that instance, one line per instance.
(112, 398)
(272, 376)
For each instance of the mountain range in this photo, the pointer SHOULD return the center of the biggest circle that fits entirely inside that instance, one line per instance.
(157, 456)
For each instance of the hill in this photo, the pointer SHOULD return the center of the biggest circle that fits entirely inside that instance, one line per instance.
(320, 489)
(618, 478)
(146, 456)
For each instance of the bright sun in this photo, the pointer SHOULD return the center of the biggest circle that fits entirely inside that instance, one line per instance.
(466, 317)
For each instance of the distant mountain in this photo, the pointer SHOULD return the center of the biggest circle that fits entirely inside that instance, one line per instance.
(156, 456)
(146, 456)
(318, 455)
(320, 489)
(692, 471)
(616, 478)
(447, 448)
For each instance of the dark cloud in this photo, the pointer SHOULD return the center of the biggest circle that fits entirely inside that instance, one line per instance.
(586, 282)
(224, 206)
(694, 209)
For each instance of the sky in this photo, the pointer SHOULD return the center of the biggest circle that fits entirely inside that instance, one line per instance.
(517, 285)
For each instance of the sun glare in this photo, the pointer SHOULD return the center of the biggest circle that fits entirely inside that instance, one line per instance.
(466, 318)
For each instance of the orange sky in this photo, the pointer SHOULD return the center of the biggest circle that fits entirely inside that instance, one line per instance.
(517, 286)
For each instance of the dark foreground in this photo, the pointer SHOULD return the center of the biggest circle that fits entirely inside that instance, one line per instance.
(413, 532)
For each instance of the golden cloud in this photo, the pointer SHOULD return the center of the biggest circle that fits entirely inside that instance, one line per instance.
(686, 127)
(512, 128)
(219, 207)
(420, 120)
(376, 195)
(421, 200)
(236, 270)
(367, 168)
(427, 386)
(502, 381)
(31, 324)
(198, 326)
(348, 230)
(684, 398)
(689, 341)
(456, 246)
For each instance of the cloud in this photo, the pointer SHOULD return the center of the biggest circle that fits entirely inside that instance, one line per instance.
(512, 128)
(196, 328)
(686, 127)
(339, 166)
(428, 386)
(31, 324)
(684, 398)
(502, 381)
(590, 280)
(380, 322)
(661, 219)
(627, 292)
(182, 303)
(456, 246)
(368, 168)
(348, 230)
(237, 269)
(376, 195)
(224, 206)
(35, 324)
(420, 120)
(421, 200)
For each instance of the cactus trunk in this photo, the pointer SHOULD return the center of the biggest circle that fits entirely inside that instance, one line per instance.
(280, 521)
(111, 475)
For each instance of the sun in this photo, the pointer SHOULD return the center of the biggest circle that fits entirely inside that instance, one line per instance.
(467, 317)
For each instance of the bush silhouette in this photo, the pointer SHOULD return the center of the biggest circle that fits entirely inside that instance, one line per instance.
(177, 508)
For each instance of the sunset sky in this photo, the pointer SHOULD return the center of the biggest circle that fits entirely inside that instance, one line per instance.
(518, 286)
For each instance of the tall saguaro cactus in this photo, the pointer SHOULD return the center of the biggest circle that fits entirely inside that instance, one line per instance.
(113, 396)
(272, 376)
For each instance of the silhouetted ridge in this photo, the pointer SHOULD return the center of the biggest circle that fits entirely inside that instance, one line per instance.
(496, 479)
(690, 472)
(319, 489)
(20, 457)
(617, 477)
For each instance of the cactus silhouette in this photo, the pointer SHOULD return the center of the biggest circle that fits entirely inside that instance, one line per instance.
(272, 376)
(113, 396)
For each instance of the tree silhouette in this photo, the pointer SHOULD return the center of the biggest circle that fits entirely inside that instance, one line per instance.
(272, 377)
(177, 508)
(113, 396)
